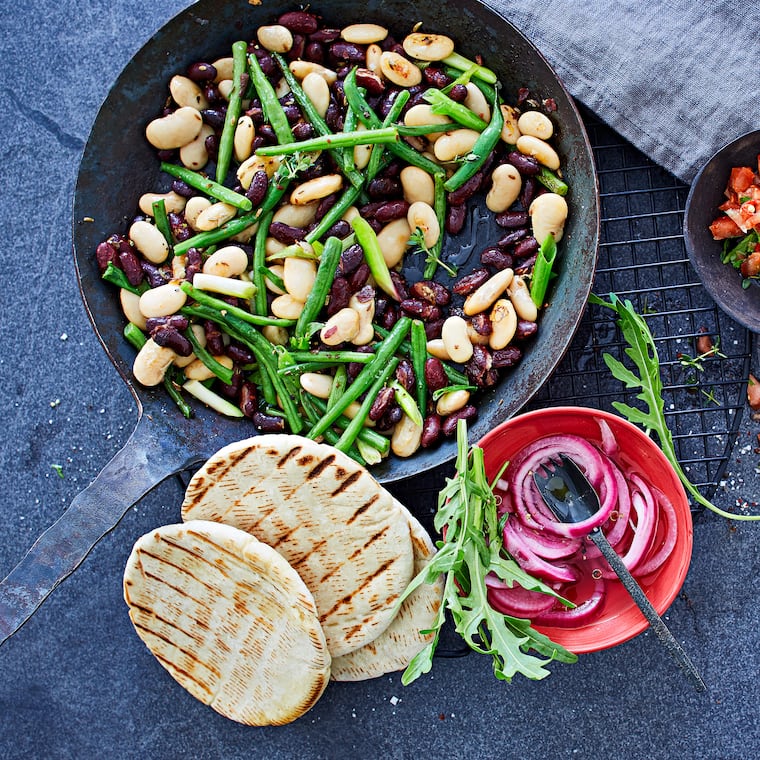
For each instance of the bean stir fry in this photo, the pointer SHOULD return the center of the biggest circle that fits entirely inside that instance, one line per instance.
(306, 167)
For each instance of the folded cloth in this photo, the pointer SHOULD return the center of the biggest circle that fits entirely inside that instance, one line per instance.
(678, 79)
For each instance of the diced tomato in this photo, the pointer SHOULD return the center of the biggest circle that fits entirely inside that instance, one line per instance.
(751, 265)
(724, 227)
(741, 178)
(730, 204)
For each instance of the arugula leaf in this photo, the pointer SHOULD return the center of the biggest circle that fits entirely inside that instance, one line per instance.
(470, 550)
(643, 353)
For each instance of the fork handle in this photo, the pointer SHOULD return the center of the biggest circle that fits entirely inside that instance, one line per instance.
(655, 621)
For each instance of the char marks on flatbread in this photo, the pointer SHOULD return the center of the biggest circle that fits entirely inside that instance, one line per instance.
(229, 619)
(394, 648)
(338, 528)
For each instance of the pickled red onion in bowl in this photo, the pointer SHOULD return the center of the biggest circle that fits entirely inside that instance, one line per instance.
(644, 512)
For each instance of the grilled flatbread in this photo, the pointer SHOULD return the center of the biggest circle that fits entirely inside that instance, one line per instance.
(343, 533)
(229, 619)
(394, 648)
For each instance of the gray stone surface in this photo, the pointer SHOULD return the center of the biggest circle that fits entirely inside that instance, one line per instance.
(76, 682)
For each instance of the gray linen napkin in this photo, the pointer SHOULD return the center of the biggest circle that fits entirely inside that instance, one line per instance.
(677, 79)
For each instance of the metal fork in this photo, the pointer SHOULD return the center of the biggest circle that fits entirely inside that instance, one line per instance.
(571, 498)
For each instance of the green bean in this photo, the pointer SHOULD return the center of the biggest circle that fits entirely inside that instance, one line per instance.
(439, 206)
(268, 274)
(551, 181)
(222, 306)
(333, 357)
(407, 403)
(378, 151)
(315, 301)
(443, 104)
(481, 150)
(208, 186)
(222, 372)
(307, 402)
(337, 210)
(227, 139)
(357, 423)
(418, 340)
(134, 335)
(269, 103)
(339, 382)
(373, 255)
(542, 270)
(172, 383)
(259, 303)
(366, 434)
(457, 61)
(384, 352)
(116, 276)
(162, 222)
(339, 140)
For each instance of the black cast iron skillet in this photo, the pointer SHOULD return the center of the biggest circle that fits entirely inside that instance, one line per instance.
(118, 166)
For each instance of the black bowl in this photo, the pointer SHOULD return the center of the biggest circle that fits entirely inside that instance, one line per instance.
(722, 281)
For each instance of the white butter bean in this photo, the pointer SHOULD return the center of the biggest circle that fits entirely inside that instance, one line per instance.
(421, 115)
(243, 139)
(428, 47)
(194, 208)
(488, 292)
(296, 216)
(362, 153)
(372, 59)
(173, 202)
(406, 437)
(314, 189)
(340, 327)
(316, 383)
(422, 216)
(151, 363)
(277, 336)
(510, 131)
(394, 240)
(450, 145)
(519, 294)
(536, 124)
(225, 88)
(317, 91)
(162, 301)
(149, 241)
(417, 185)
(130, 305)
(287, 307)
(200, 336)
(365, 309)
(223, 68)
(194, 155)
(300, 69)
(364, 34)
(185, 92)
(540, 150)
(229, 261)
(299, 276)
(504, 324)
(275, 37)
(548, 213)
(476, 101)
(255, 163)
(506, 184)
(452, 402)
(197, 370)
(278, 270)
(215, 216)
(174, 130)
(399, 70)
(436, 347)
(455, 339)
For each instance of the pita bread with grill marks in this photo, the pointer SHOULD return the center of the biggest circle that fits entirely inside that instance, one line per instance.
(394, 648)
(229, 619)
(343, 533)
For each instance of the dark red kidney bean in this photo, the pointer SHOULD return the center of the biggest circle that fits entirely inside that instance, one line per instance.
(431, 291)
(258, 187)
(435, 375)
(400, 284)
(405, 374)
(389, 210)
(232, 390)
(240, 353)
(334, 116)
(434, 328)
(526, 328)
(482, 324)
(106, 254)
(267, 133)
(525, 247)
(130, 263)
(382, 403)
(389, 419)
(512, 237)
(470, 282)
(376, 226)
(193, 263)
(165, 155)
(368, 210)
(341, 229)
(495, 257)
(370, 81)
(314, 52)
(249, 404)
(506, 357)
(384, 187)
(200, 71)
(436, 77)
(431, 431)
(340, 50)
(525, 266)
(214, 340)
(297, 49)
(267, 63)
(359, 277)
(449, 424)
(479, 365)
(389, 317)
(325, 35)
(386, 101)
(179, 227)
(420, 309)
(211, 92)
(256, 112)
(458, 93)
(268, 423)
(512, 219)
(214, 117)
(302, 130)
(169, 337)
(177, 321)
(466, 191)
(350, 259)
(212, 146)
(340, 294)
(324, 205)
(393, 169)
(528, 192)
(526, 165)
(299, 21)
(183, 189)
(455, 219)
(292, 113)
(286, 234)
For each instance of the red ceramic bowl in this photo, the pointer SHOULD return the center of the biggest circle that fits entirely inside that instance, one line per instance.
(619, 618)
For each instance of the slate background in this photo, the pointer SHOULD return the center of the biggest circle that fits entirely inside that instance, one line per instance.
(76, 682)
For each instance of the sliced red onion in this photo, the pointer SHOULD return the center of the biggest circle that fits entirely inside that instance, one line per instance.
(544, 544)
(517, 601)
(530, 561)
(667, 518)
(583, 613)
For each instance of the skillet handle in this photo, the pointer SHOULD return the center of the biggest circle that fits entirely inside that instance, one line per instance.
(148, 457)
